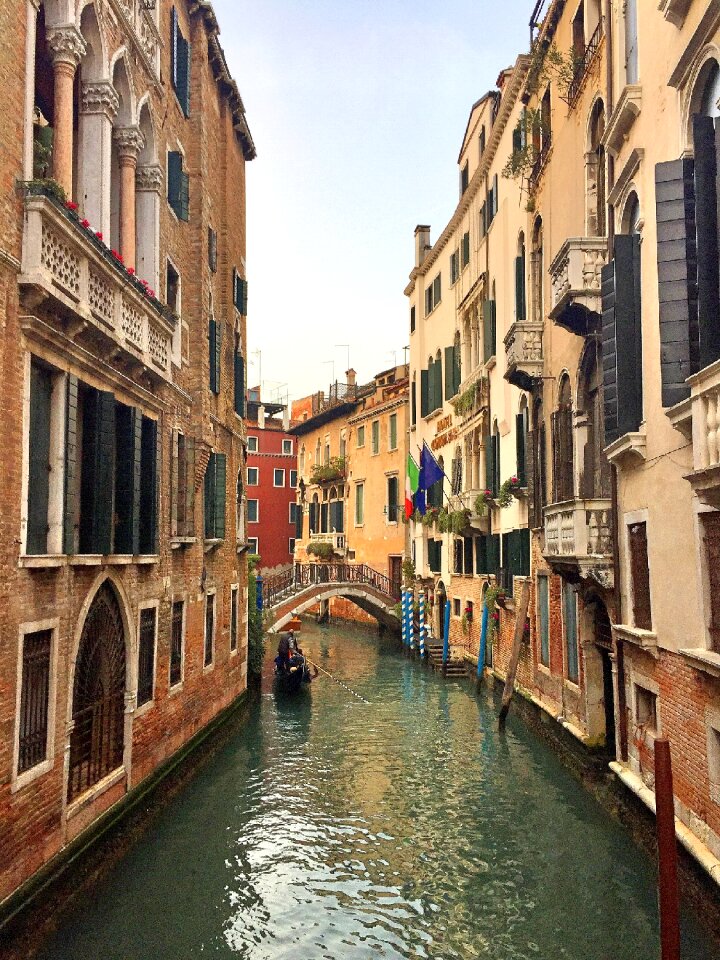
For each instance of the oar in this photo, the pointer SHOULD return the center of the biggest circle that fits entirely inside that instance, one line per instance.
(343, 685)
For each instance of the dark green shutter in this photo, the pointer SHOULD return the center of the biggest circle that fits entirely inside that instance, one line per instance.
(489, 463)
(628, 333)
(98, 470)
(466, 249)
(520, 448)
(209, 490)
(214, 355)
(519, 288)
(449, 372)
(298, 521)
(534, 509)
(413, 404)
(488, 329)
(438, 392)
(182, 70)
(706, 218)
(148, 533)
(39, 474)
(189, 492)
(239, 384)
(127, 479)
(457, 368)
(480, 555)
(431, 386)
(437, 291)
(71, 466)
(173, 48)
(424, 393)
(493, 553)
(183, 211)
(174, 176)
(220, 495)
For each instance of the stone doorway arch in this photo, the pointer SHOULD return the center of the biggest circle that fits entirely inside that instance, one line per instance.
(97, 738)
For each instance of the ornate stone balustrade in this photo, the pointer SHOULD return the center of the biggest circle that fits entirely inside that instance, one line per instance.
(698, 418)
(473, 395)
(63, 262)
(578, 533)
(337, 540)
(575, 274)
(524, 353)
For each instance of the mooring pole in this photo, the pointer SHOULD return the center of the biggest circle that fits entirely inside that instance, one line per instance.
(669, 898)
(403, 615)
(446, 634)
(482, 652)
(411, 618)
(421, 622)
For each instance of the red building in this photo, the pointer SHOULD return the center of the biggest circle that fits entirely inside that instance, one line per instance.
(271, 483)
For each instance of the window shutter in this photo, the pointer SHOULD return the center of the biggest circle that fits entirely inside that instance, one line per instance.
(495, 195)
(71, 466)
(496, 457)
(481, 554)
(541, 468)
(488, 329)
(189, 491)
(209, 505)
(483, 220)
(183, 211)
(126, 487)
(466, 249)
(174, 484)
(424, 393)
(39, 474)
(519, 288)
(449, 372)
(555, 442)
(457, 370)
(529, 463)
(298, 522)
(102, 519)
(173, 47)
(520, 448)
(677, 277)
(493, 553)
(174, 176)
(182, 60)
(148, 514)
(220, 495)
(214, 355)
(437, 292)
(706, 216)
(239, 384)
(609, 353)
(413, 404)
(489, 462)
(628, 344)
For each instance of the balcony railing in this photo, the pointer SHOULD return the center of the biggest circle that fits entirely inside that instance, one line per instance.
(65, 262)
(579, 533)
(582, 66)
(524, 353)
(336, 539)
(575, 274)
(539, 164)
(473, 395)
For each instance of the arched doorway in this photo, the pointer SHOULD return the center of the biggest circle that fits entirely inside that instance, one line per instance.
(97, 738)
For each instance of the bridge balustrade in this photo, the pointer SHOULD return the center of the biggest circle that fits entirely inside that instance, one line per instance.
(304, 575)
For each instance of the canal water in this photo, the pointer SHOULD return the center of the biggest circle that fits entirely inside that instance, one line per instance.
(328, 827)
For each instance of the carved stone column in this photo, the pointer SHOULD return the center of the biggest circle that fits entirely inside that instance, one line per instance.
(98, 109)
(129, 142)
(68, 48)
(149, 182)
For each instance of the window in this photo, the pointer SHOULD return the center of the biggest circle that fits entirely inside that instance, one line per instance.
(212, 249)
(561, 429)
(287, 447)
(454, 267)
(240, 293)
(489, 329)
(278, 478)
(172, 288)
(253, 511)
(640, 575)
(176, 642)
(435, 555)
(376, 436)
(291, 545)
(392, 430)
(569, 598)
(238, 379)
(520, 280)
(293, 479)
(215, 497)
(464, 178)
(646, 708)
(215, 331)
(710, 527)
(39, 508)
(178, 185)
(465, 249)
(412, 319)
(252, 444)
(182, 495)
(209, 629)
(179, 63)
(146, 655)
(392, 500)
(233, 618)
(253, 477)
(253, 545)
(433, 295)
(481, 143)
(543, 602)
(34, 699)
(456, 606)
(361, 436)
(294, 507)
(359, 504)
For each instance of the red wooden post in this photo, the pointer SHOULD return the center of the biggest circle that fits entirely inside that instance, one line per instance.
(667, 854)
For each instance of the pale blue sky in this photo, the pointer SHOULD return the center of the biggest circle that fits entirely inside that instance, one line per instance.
(357, 110)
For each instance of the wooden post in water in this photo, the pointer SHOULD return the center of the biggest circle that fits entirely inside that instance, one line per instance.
(521, 615)
(668, 895)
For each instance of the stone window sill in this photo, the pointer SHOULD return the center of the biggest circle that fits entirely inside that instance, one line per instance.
(146, 559)
(42, 561)
(95, 791)
(707, 661)
(644, 639)
(211, 543)
(177, 542)
(27, 776)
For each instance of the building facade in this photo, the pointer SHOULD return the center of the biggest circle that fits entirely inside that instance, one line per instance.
(123, 627)
(271, 484)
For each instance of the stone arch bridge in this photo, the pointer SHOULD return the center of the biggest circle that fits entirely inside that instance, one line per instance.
(305, 584)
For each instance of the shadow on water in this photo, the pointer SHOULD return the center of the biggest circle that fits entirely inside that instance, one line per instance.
(328, 828)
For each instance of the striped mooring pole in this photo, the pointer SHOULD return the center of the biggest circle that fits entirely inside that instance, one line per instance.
(421, 626)
(403, 610)
(411, 618)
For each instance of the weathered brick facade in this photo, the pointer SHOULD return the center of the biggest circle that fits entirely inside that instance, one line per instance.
(112, 341)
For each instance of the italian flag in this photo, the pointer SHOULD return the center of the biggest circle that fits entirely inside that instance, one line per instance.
(412, 480)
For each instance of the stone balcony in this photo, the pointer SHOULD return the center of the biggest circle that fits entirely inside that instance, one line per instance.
(336, 539)
(524, 354)
(575, 274)
(90, 292)
(472, 396)
(698, 419)
(578, 539)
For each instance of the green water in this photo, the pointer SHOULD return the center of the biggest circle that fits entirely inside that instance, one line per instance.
(329, 828)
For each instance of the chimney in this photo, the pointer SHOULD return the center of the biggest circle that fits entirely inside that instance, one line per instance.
(422, 243)
(350, 377)
(286, 418)
(261, 417)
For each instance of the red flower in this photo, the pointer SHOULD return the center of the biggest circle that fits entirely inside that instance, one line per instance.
(513, 479)
(145, 283)
(85, 223)
(131, 271)
(98, 235)
(488, 493)
(151, 293)
(117, 255)
(71, 205)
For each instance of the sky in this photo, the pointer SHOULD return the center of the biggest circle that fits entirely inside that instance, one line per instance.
(358, 110)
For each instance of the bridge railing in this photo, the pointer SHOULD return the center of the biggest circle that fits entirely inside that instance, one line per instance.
(302, 575)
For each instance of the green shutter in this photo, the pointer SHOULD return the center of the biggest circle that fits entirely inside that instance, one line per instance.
(449, 372)
(104, 473)
(519, 288)
(220, 495)
(496, 464)
(183, 210)
(437, 291)
(488, 329)
(210, 498)
(489, 462)
(298, 521)
(39, 474)
(239, 384)
(457, 369)
(466, 249)
(173, 184)
(424, 393)
(148, 533)
(213, 355)
(189, 492)
(493, 553)
(127, 479)
(520, 448)
(173, 46)
(481, 554)
(413, 404)
(71, 466)
(431, 386)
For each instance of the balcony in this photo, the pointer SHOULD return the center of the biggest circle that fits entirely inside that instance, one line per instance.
(575, 274)
(473, 395)
(699, 419)
(336, 541)
(582, 67)
(91, 291)
(578, 540)
(524, 354)
(478, 520)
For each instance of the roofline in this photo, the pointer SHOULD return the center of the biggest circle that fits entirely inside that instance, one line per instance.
(473, 108)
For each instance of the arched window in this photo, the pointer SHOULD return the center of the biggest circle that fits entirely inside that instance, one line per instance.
(44, 113)
(595, 173)
(98, 710)
(538, 466)
(704, 97)
(562, 444)
(520, 313)
(595, 470)
(536, 271)
(631, 215)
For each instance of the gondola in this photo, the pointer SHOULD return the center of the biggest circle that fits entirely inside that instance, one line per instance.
(292, 679)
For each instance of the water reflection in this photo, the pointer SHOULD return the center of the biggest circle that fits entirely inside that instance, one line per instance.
(406, 827)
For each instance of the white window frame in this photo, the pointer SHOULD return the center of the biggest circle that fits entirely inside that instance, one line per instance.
(257, 514)
(211, 595)
(176, 687)
(146, 605)
(276, 471)
(292, 511)
(374, 449)
(18, 781)
(287, 448)
(252, 449)
(257, 477)
(360, 433)
(361, 521)
(390, 420)
(256, 541)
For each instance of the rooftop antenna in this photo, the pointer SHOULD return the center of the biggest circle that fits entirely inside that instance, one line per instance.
(394, 356)
(405, 353)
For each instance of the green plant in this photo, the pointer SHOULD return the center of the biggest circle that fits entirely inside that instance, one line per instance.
(481, 502)
(322, 549)
(464, 623)
(458, 520)
(548, 63)
(334, 469)
(417, 517)
(509, 489)
(408, 572)
(256, 634)
(46, 187)
(467, 399)
(443, 520)
(431, 516)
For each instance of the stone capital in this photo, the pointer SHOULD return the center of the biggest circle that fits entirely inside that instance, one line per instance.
(99, 97)
(67, 45)
(129, 140)
(149, 178)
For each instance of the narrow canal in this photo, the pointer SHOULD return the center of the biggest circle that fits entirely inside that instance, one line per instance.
(330, 828)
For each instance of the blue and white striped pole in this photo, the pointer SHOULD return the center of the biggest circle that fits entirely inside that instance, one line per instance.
(421, 624)
(411, 618)
(403, 615)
